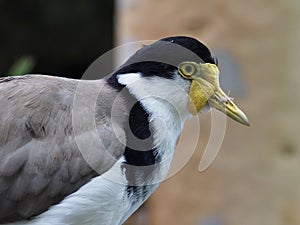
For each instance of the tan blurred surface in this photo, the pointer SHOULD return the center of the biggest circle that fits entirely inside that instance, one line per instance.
(255, 178)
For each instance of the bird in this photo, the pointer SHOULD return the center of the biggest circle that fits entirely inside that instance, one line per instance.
(92, 151)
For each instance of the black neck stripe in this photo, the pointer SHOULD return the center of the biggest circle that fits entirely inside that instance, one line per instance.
(140, 128)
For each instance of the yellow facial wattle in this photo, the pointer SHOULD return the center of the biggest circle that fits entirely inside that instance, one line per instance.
(204, 82)
(199, 94)
(205, 88)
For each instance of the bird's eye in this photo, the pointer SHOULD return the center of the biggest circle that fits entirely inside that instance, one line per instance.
(187, 69)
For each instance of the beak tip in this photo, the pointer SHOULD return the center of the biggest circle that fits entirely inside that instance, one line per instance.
(240, 117)
(243, 119)
(247, 123)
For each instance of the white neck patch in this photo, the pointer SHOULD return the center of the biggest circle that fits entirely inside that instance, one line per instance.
(173, 93)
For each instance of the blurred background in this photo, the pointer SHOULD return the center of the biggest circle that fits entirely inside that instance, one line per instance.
(255, 178)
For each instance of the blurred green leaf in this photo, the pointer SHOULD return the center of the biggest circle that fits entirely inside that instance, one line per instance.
(22, 65)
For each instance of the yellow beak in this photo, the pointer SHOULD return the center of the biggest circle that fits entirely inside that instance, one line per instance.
(220, 101)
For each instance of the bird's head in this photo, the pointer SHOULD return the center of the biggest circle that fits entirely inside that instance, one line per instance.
(162, 68)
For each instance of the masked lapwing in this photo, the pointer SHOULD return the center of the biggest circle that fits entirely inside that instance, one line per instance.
(91, 152)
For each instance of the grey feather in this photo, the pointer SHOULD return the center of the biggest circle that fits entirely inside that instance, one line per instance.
(40, 160)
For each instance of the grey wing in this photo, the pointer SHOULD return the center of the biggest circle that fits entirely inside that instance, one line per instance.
(42, 159)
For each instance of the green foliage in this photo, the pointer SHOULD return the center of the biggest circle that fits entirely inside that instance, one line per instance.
(22, 65)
